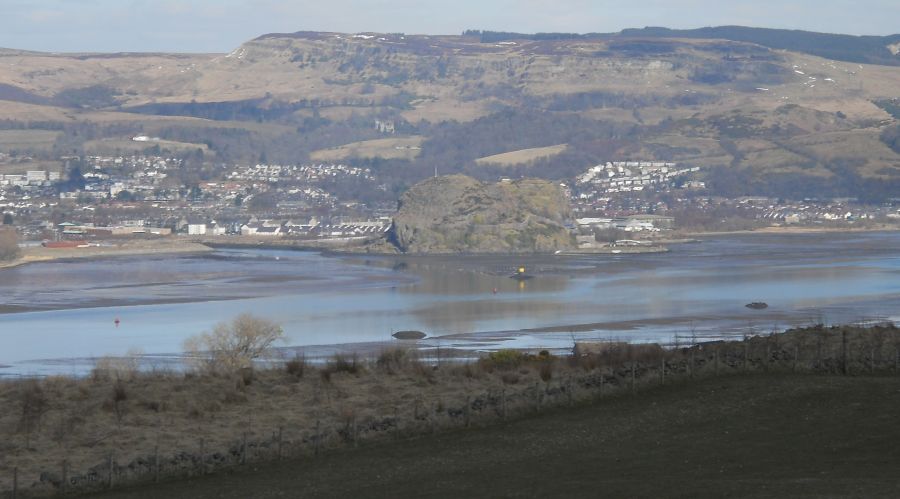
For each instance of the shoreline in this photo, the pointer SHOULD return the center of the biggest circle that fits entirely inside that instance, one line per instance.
(32, 255)
(799, 230)
(40, 254)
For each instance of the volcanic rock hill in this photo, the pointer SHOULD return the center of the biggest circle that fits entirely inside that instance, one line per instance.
(456, 213)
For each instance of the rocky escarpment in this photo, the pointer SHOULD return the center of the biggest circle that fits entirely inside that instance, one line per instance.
(458, 214)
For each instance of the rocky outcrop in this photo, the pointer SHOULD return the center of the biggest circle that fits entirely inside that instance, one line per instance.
(458, 214)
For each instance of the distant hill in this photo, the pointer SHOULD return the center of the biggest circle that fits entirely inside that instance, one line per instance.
(861, 49)
(760, 112)
(884, 50)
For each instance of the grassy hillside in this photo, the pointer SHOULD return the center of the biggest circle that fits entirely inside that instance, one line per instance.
(861, 49)
(522, 156)
(849, 48)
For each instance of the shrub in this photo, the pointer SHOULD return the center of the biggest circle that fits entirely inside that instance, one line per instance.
(118, 398)
(503, 360)
(232, 346)
(246, 376)
(118, 368)
(296, 366)
(341, 363)
(616, 354)
(396, 359)
(34, 405)
(466, 370)
(546, 371)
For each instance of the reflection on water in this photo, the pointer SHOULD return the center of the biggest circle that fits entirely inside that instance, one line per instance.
(699, 289)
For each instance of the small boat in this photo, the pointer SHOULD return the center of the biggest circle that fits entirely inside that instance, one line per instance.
(520, 275)
(757, 305)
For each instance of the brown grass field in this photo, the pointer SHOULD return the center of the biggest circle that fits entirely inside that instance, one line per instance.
(522, 156)
(128, 146)
(392, 148)
(29, 140)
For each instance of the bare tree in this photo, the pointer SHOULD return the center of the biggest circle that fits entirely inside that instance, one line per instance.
(232, 346)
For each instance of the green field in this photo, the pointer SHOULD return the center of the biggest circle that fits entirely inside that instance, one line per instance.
(777, 435)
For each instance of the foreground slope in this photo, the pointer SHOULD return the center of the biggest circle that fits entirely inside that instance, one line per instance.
(746, 436)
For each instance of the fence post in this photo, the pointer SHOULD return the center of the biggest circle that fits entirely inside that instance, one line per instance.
(746, 355)
(15, 489)
(796, 357)
(601, 384)
(819, 352)
(768, 356)
(662, 371)
(466, 409)
(537, 398)
(692, 361)
(433, 418)
(503, 403)
(109, 471)
(717, 360)
(280, 434)
(632, 377)
(569, 393)
(872, 361)
(202, 456)
(897, 360)
(844, 367)
(65, 475)
(317, 438)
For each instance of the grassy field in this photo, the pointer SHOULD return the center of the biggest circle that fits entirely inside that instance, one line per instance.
(127, 146)
(522, 156)
(738, 436)
(393, 148)
(27, 140)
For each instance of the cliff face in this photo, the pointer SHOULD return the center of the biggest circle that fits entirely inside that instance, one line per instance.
(456, 214)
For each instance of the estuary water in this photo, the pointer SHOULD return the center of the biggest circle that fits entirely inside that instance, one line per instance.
(57, 317)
